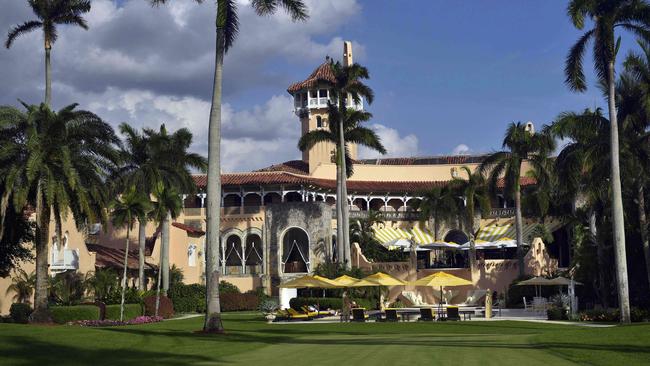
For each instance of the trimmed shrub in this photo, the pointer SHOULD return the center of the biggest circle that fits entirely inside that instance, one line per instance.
(19, 312)
(328, 302)
(130, 311)
(239, 302)
(188, 298)
(613, 315)
(165, 309)
(228, 288)
(556, 313)
(65, 314)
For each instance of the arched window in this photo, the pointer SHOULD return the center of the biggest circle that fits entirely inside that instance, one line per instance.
(232, 256)
(295, 251)
(319, 122)
(253, 254)
(456, 236)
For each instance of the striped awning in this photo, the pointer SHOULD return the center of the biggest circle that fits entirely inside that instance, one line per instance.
(402, 238)
(506, 231)
(390, 236)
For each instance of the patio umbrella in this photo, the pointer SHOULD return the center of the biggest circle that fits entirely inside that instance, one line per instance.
(383, 279)
(563, 281)
(310, 282)
(441, 279)
(537, 282)
(349, 281)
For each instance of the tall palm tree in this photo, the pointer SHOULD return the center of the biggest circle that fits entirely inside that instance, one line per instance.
(520, 144)
(579, 167)
(227, 27)
(348, 88)
(171, 150)
(633, 90)
(50, 14)
(353, 132)
(475, 196)
(608, 15)
(56, 162)
(22, 285)
(126, 209)
(435, 206)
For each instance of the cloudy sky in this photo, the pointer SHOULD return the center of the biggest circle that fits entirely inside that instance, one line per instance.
(448, 76)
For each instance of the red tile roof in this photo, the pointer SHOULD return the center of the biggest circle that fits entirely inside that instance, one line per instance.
(322, 73)
(426, 160)
(106, 257)
(291, 166)
(190, 229)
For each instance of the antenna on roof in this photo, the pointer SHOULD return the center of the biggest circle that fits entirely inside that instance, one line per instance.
(327, 58)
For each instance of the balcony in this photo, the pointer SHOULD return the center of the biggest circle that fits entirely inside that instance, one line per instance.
(64, 260)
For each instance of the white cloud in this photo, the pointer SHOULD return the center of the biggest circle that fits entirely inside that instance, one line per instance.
(461, 149)
(396, 145)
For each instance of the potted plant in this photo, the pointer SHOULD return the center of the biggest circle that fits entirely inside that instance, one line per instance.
(268, 308)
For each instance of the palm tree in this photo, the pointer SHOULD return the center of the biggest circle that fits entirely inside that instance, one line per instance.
(349, 87)
(56, 162)
(130, 206)
(167, 206)
(22, 284)
(353, 132)
(50, 14)
(475, 196)
(633, 90)
(607, 15)
(171, 150)
(101, 283)
(520, 144)
(436, 205)
(227, 25)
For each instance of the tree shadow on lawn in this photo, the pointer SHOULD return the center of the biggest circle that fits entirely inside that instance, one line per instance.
(32, 352)
(297, 338)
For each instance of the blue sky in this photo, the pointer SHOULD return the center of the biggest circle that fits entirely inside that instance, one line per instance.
(448, 75)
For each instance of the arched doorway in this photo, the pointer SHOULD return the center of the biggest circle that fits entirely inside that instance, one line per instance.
(232, 255)
(456, 236)
(253, 254)
(295, 251)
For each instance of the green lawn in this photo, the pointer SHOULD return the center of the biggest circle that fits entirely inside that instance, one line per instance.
(250, 341)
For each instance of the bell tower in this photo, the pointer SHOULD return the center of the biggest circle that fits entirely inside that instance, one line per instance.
(310, 105)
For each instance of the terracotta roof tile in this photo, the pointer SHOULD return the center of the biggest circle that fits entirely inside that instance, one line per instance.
(322, 73)
(426, 160)
(291, 166)
(190, 229)
(106, 257)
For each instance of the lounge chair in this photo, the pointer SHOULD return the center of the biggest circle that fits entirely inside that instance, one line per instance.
(391, 315)
(313, 308)
(426, 315)
(359, 315)
(452, 313)
(294, 315)
(310, 313)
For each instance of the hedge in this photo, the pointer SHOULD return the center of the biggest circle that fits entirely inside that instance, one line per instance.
(239, 302)
(328, 302)
(614, 315)
(64, 314)
(20, 313)
(165, 308)
(188, 298)
(130, 311)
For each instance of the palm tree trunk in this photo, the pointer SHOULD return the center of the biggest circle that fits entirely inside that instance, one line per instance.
(600, 257)
(126, 263)
(472, 245)
(344, 199)
(617, 203)
(340, 251)
(213, 314)
(164, 265)
(48, 74)
(4, 204)
(142, 238)
(41, 313)
(643, 228)
(158, 283)
(518, 224)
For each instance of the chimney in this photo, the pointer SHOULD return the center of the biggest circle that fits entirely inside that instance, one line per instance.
(347, 53)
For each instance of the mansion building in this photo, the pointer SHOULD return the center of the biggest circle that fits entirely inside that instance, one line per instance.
(279, 222)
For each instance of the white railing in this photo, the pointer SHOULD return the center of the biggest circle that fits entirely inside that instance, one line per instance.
(63, 260)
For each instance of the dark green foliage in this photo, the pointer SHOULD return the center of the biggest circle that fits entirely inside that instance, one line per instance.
(328, 302)
(187, 298)
(614, 315)
(67, 288)
(17, 232)
(228, 288)
(19, 312)
(65, 314)
(231, 301)
(165, 309)
(556, 313)
(130, 311)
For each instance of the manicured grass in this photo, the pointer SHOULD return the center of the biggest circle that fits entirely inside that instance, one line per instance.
(250, 341)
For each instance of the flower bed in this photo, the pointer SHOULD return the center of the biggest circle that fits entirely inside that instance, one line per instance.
(111, 323)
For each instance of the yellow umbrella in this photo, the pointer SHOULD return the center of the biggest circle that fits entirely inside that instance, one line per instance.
(441, 279)
(310, 282)
(349, 281)
(383, 279)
